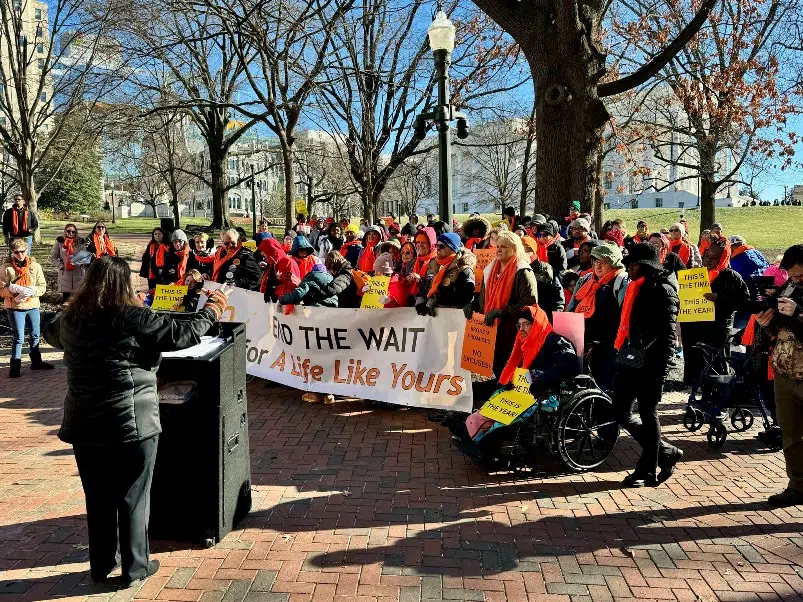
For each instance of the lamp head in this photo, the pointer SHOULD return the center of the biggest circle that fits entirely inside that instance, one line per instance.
(441, 33)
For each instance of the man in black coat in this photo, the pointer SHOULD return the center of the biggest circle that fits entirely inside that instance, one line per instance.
(649, 316)
(233, 262)
(452, 275)
(19, 222)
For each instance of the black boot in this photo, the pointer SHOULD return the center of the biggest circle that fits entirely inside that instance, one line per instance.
(14, 371)
(37, 363)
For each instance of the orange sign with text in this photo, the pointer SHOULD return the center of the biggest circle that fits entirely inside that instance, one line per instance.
(479, 340)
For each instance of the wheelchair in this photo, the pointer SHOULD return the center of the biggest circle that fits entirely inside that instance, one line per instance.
(582, 431)
(729, 387)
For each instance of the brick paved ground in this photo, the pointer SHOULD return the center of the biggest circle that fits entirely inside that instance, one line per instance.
(356, 502)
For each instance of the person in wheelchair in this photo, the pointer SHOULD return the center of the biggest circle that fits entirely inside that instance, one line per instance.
(550, 360)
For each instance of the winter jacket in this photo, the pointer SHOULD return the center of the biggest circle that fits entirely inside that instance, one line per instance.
(68, 280)
(12, 214)
(279, 267)
(457, 286)
(7, 277)
(652, 323)
(111, 371)
(602, 326)
(556, 363)
(344, 288)
(474, 223)
(326, 244)
(556, 256)
(748, 263)
(524, 293)
(550, 289)
(312, 291)
(353, 253)
(202, 263)
(148, 260)
(244, 270)
(673, 263)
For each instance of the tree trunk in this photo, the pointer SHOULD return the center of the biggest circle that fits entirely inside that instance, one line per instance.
(708, 187)
(289, 187)
(217, 176)
(526, 167)
(176, 210)
(598, 210)
(31, 196)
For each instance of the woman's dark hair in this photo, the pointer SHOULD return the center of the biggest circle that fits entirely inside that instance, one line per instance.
(792, 256)
(164, 237)
(106, 288)
(95, 227)
(569, 278)
(334, 261)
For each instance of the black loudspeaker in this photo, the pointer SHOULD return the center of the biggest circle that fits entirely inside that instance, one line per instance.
(202, 478)
(167, 225)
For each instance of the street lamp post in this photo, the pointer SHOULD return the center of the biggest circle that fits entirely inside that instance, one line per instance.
(441, 41)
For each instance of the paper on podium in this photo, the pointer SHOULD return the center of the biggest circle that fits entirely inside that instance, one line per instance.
(205, 347)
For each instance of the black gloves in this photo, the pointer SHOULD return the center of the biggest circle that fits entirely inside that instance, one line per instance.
(468, 311)
(421, 309)
(492, 315)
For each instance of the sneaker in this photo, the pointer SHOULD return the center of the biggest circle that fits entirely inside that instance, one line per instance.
(788, 497)
(668, 468)
(312, 397)
(636, 480)
(329, 398)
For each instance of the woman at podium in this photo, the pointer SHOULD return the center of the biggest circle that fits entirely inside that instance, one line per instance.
(112, 346)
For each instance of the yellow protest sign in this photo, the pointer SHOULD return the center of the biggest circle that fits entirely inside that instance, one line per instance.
(479, 341)
(693, 284)
(506, 406)
(301, 206)
(379, 287)
(167, 297)
(250, 244)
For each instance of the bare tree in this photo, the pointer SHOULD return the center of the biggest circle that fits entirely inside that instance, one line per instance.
(324, 175)
(411, 182)
(55, 67)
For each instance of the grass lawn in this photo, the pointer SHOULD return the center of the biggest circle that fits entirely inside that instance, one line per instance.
(131, 225)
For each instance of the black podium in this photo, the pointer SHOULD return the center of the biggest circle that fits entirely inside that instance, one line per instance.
(202, 478)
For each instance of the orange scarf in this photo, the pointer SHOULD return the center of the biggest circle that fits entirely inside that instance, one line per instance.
(724, 262)
(500, 285)
(69, 247)
(158, 255)
(577, 243)
(627, 307)
(16, 224)
(584, 272)
(181, 267)
(221, 257)
(107, 248)
(23, 272)
(637, 239)
(346, 245)
(420, 267)
(739, 250)
(587, 295)
(683, 250)
(471, 242)
(541, 251)
(526, 350)
(367, 258)
(436, 281)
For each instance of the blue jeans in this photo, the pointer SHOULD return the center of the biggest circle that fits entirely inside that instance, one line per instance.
(17, 318)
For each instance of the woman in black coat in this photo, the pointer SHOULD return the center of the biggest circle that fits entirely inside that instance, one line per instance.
(649, 315)
(342, 285)
(112, 346)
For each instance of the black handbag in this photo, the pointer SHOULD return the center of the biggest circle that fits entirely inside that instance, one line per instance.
(631, 356)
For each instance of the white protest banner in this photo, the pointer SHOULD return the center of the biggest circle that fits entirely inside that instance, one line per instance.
(392, 355)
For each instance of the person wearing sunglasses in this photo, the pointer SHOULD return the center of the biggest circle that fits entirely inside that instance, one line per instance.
(153, 258)
(70, 276)
(234, 263)
(19, 222)
(452, 277)
(679, 246)
(100, 244)
(549, 249)
(22, 282)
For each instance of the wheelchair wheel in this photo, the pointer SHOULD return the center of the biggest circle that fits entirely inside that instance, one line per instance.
(693, 419)
(586, 430)
(741, 419)
(717, 434)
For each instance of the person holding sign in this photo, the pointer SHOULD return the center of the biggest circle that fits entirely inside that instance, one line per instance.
(729, 294)
(508, 287)
(452, 274)
(396, 295)
(645, 343)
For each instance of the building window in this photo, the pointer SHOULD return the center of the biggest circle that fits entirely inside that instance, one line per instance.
(40, 48)
(37, 14)
(609, 180)
(465, 207)
(41, 63)
(607, 206)
(659, 202)
(43, 97)
(681, 204)
(634, 204)
(38, 31)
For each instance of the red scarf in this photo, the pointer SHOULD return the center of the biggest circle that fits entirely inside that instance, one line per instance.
(23, 272)
(526, 350)
(500, 285)
(683, 249)
(587, 295)
(420, 267)
(436, 281)
(627, 307)
(637, 239)
(158, 255)
(739, 250)
(181, 267)
(367, 257)
(724, 262)
(16, 224)
(584, 272)
(221, 257)
(69, 247)
(346, 245)
(577, 243)
(616, 236)
(107, 248)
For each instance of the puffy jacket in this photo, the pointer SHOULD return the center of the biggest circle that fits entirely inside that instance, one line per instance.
(477, 223)
(652, 322)
(556, 256)
(111, 371)
(312, 291)
(748, 263)
(456, 288)
(556, 363)
(344, 288)
(244, 270)
(7, 276)
(550, 289)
